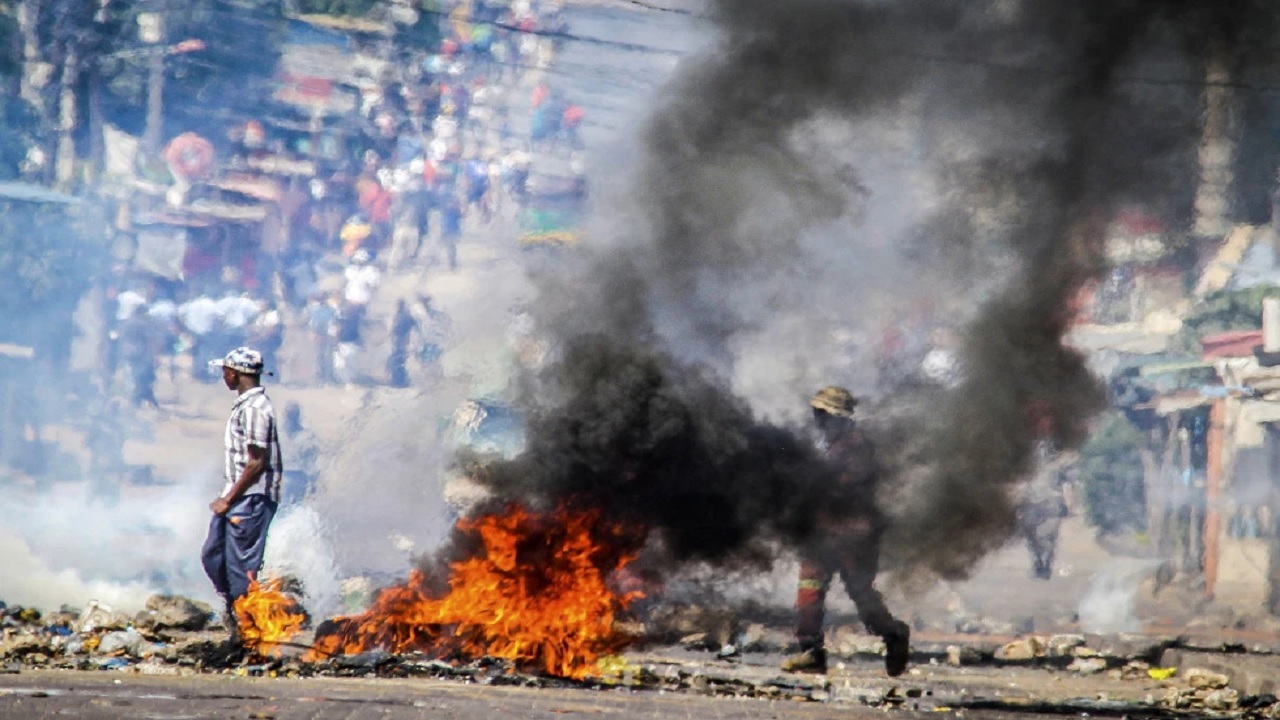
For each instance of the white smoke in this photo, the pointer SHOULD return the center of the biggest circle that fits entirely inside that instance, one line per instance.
(68, 547)
(298, 546)
(1109, 605)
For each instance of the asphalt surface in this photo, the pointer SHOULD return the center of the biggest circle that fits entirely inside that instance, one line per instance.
(695, 684)
(109, 695)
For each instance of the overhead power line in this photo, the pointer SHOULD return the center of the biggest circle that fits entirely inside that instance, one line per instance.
(662, 8)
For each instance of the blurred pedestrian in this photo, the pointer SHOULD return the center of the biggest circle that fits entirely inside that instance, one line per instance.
(402, 326)
(300, 444)
(346, 353)
(451, 228)
(322, 322)
(138, 346)
(1043, 504)
(477, 185)
(362, 277)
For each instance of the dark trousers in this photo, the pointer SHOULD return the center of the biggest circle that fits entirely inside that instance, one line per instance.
(1038, 524)
(397, 373)
(144, 381)
(450, 240)
(856, 557)
(236, 543)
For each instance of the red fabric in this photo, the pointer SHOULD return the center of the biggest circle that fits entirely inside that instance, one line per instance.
(810, 601)
(375, 201)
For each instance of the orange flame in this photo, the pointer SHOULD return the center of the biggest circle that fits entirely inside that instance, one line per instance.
(267, 617)
(535, 592)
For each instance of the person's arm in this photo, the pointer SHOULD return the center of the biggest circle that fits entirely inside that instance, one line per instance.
(252, 471)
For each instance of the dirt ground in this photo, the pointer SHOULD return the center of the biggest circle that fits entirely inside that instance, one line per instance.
(853, 689)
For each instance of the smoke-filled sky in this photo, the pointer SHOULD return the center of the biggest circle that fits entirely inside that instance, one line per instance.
(832, 170)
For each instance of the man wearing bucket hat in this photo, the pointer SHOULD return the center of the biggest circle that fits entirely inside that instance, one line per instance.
(233, 549)
(848, 544)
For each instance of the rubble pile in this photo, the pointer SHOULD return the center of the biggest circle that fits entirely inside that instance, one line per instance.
(1121, 655)
(1202, 690)
(175, 635)
(178, 636)
(164, 637)
(724, 636)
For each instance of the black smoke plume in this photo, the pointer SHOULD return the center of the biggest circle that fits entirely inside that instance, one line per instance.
(1035, 122)
(663, 446)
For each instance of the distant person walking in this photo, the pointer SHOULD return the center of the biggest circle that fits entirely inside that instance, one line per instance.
(322, 321)
(451, 228)
(402, 326)
(137, 338)
(237, 539)
(1043, 505)
(304, 455)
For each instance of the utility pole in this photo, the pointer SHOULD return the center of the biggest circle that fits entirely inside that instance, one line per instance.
(1217, 146)
(65, 163)
(97, 145)
(151, 32)
(35, 72)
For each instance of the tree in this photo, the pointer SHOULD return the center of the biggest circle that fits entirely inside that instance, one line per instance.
(13, 113)
(1223, 311)
(1111, 475)
(10, 45)
(20, 129)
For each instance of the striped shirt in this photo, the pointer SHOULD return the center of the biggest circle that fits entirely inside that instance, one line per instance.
(253, 422)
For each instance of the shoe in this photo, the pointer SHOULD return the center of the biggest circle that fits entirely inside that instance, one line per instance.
(897, 645)
(813, 660)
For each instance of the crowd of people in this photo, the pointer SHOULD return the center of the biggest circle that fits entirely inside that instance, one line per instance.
(435, 151)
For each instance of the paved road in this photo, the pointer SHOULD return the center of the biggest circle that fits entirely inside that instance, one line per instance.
(854, 688)
(109, 695)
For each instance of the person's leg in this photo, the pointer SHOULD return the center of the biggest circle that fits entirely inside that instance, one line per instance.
(1047, 541)
(859, 566)
(213, 555)
(214, 558)
(451, 244)
(1033, 547)
(397, 372)
(149, 383)
(815, 578)
(247, 524)
(135, 381)
(1033, 526)
(324, 359)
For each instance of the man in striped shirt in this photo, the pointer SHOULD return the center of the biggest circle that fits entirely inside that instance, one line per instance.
(233, 550)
